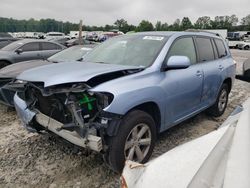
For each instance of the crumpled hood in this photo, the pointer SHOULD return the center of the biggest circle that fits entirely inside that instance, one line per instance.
(69, 72)
(13, 70)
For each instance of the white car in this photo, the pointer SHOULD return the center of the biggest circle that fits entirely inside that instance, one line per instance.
(218, 159)
(54, 35)
(244, 45)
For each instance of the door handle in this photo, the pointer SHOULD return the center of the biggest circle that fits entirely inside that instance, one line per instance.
(199, 73)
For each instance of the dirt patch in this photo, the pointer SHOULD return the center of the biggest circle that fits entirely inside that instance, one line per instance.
(33, 160)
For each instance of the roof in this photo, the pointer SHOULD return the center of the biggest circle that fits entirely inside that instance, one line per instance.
(179, 33)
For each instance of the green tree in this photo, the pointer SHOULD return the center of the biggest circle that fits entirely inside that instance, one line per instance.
(122, 25)
(158, 26)
(161, 27)
(145, 26)
(175, 26)
(224, 22)
(186, 23)
(233, 19)
(246, 20)
(203, 23)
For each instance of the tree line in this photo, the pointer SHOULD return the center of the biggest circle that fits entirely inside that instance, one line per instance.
(231, 23)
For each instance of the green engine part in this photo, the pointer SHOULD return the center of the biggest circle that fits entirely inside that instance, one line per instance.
(87, 101)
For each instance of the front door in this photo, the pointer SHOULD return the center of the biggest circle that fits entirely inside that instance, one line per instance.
(183, 87)
(29, 51)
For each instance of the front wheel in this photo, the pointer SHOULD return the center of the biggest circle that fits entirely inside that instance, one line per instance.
(3, 64)
(134, 141)
(221, 102)
(246, 47)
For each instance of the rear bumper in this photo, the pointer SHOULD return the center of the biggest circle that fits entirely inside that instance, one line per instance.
(28, 116)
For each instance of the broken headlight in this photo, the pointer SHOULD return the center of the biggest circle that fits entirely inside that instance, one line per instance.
(104, 99)
(17, 85)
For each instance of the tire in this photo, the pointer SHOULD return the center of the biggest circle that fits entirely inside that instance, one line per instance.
(246, 48)
(134, 121)
(3, 64)
(220, 105)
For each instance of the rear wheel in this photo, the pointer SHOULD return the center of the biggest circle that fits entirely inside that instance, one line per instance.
(246, 47)
(221, 102)
(134, 141)
(3, 64)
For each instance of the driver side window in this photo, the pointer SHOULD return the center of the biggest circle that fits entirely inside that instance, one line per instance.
(183, 47)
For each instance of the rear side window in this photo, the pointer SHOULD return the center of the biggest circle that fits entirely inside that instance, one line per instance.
(183, 47)
(205, 49)
(50, 46)
(222, 52)
(33, 46)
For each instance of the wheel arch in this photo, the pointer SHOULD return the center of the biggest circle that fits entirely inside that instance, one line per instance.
(152, 109)
(228, 81)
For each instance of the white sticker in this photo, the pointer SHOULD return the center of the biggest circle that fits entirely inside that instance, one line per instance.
(153, 38)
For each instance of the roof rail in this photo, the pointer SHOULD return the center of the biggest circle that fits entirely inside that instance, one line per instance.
(199, 30)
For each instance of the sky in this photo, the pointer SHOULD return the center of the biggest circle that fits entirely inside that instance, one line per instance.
(102, 12)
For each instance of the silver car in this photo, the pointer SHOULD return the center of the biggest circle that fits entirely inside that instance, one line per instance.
(9, 73)
(28, 49)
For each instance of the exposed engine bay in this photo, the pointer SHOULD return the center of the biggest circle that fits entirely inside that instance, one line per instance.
(75, 107)
(70, 108)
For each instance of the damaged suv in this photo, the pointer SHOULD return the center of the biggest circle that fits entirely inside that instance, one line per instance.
(127, 90)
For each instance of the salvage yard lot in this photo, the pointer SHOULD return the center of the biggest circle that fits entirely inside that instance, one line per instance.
(45, 161)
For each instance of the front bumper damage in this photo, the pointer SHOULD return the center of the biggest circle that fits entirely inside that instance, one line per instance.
(28, 117)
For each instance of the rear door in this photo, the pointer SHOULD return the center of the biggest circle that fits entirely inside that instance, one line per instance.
(49, 49)
(183, 87)
(29, 51)
(212, 69)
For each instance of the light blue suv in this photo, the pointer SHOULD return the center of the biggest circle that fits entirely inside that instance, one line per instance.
(128, 90)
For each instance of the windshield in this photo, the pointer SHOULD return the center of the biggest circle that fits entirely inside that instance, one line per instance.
(12, 46)
(74, 53)
(135, 50)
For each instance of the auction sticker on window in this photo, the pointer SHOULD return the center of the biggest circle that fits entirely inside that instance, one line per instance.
(153, 38)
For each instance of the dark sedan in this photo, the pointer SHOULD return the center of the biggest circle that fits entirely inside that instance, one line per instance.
(9, 73)
(6, 39)
(27, 49)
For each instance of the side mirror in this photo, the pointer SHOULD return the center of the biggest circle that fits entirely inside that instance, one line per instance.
(18, 51)
(177, 62)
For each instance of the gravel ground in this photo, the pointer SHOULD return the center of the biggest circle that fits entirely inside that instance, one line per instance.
(32, 160)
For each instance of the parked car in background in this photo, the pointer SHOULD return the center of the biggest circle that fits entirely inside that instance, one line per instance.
(129, 89)
(235, 38)
(28, 49)
(9, 73)
(244, 45)
(5, 35)
(6, 39)
(62, 41)
(54, 35)
(73, 42)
